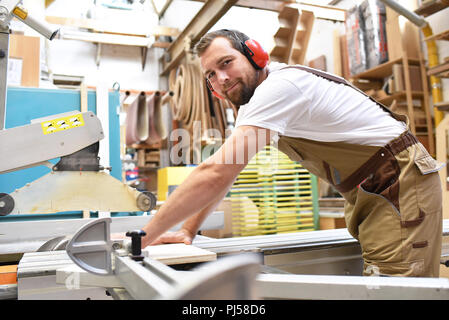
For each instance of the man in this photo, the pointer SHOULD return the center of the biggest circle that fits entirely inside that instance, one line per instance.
(390, 182)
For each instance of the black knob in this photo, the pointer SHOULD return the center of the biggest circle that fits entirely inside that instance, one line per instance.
(6, 204)
(136, 244)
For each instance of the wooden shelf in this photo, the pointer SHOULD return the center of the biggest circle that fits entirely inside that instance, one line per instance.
(292, 37)
(440, 36)
(432, 6)
(383, 70)
(442, 106)
(420, 119)
(441, 70)
(399, 96)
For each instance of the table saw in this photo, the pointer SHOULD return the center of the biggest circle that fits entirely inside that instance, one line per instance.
(324, 264)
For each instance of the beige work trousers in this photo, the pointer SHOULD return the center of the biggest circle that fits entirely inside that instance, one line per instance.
(397, 217)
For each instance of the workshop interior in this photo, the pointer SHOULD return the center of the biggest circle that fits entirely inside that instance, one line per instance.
(104, 112)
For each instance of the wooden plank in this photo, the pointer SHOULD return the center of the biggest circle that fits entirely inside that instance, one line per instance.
(431, 6)
(290, 15)
(302, 37)
(338, 67)
(112, 27)
(320, 11)
(383, 70)
(328, 222)
(344, 57)
(441, 70)
(426, 107)
(408, 93)
(319, 63)
(206, 17)
(83, 97)
(8, 274)
(399, 96)
(401, 37)
(270, 5)
(393, 31)
(178, 253)
(107, 38)
(442, 106)
(161, 11)
(324, 12)
(439, 36)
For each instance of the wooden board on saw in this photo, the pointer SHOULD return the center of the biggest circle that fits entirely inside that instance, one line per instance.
(178, 253)
(8, 274)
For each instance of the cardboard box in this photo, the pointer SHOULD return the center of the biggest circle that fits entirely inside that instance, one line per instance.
(415, 78)
(27, 49)
(169, 178)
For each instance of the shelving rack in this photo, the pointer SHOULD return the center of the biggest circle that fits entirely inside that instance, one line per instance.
(274, 195)
(420, 117)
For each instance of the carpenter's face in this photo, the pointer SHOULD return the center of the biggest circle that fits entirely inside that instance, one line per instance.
(229, 72)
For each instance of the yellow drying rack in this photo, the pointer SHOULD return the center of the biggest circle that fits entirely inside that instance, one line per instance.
(274, 195)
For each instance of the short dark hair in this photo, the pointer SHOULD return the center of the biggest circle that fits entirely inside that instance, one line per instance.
(236, 38)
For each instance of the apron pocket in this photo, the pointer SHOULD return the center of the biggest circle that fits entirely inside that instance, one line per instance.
(385, 181)
(425, 162)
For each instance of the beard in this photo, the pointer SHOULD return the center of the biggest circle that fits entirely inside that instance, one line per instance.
(244, 94)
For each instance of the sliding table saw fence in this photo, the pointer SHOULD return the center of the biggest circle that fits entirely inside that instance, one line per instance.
(274, 195)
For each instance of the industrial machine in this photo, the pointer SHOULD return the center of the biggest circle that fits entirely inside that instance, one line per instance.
(307, 265)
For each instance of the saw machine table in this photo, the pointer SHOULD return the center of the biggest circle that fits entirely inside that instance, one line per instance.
(307, 265)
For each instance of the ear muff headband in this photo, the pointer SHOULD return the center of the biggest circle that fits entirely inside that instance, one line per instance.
(256, 55)
(209, 85)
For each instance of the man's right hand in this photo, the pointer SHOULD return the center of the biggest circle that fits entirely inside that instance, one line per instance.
(179, 236)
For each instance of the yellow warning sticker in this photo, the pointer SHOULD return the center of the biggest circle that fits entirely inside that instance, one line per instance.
(64, 123)
(20, 12)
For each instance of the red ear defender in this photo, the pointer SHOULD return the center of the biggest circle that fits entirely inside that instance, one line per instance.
(255, 53)
(212, 90)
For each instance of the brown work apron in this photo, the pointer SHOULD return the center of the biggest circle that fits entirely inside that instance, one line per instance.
(393, 196)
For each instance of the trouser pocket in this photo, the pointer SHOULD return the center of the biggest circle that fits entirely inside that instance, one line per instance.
(385, 181)
(379, 228)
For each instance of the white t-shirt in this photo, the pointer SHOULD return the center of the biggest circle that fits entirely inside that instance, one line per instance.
(296, 103)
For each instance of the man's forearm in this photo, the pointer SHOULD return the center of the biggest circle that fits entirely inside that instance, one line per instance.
(208, 183)
(193, 224)
(203, 188)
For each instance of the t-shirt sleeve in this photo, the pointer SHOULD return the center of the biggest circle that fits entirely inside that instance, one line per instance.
(272, 106)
